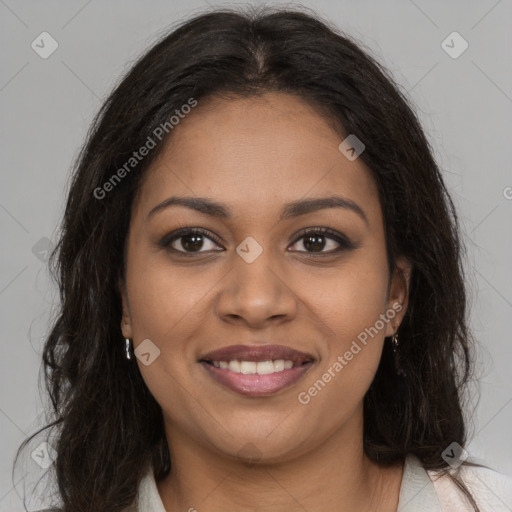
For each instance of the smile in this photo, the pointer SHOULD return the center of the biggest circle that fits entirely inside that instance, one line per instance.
(256, 370)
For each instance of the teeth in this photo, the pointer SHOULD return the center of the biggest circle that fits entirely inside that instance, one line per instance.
(253, 367)
(248, 367)
(265, 367)
(279, 365)
(234, 366)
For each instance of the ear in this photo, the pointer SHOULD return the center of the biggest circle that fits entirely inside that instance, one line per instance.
(398, 298)
(126, 320)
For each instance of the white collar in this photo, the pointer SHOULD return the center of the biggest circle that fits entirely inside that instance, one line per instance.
(417, 492)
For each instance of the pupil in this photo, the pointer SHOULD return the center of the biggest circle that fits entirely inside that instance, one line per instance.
(317, 243)
(196, 243)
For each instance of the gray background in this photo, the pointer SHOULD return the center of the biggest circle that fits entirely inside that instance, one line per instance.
(465, 105)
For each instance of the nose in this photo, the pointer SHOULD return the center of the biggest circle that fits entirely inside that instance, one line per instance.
(256, 293)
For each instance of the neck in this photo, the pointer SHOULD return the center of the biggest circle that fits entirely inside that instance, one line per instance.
(334, 475)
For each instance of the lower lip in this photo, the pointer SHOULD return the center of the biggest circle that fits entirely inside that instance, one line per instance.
(257, 385)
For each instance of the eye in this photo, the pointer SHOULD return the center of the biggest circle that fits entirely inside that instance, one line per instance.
(188, 241)
(315, 241)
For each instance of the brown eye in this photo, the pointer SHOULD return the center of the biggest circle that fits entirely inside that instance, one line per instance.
(189, 241)
(316, 240)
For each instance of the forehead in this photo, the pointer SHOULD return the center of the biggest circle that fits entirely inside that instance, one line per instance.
(255, 154)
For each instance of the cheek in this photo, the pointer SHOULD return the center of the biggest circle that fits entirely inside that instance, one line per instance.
(352, 304)
(351, 300)
(162, 302)
(163, 296)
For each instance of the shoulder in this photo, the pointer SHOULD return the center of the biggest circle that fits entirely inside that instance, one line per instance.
(491, 490)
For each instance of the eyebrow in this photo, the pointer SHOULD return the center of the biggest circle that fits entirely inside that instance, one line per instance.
(290, 210)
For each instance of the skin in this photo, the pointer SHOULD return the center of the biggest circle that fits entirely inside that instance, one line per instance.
(254, 155)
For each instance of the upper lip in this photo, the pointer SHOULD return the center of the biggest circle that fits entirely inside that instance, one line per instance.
(257, 353)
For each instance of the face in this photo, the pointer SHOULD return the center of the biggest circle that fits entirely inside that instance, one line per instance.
(259, 273)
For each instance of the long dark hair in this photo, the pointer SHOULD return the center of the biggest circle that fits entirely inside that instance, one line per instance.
(109, 427)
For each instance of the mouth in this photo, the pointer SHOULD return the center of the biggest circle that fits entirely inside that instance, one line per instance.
(256, 370)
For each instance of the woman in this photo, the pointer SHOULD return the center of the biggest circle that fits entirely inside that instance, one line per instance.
(263, 302)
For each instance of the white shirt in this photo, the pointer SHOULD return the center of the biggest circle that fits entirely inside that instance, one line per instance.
(420, 491)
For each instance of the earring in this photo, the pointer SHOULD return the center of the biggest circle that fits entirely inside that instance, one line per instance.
(396, 351)
(128, 355)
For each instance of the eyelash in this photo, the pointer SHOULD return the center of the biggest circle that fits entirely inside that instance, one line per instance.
(342, 240)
